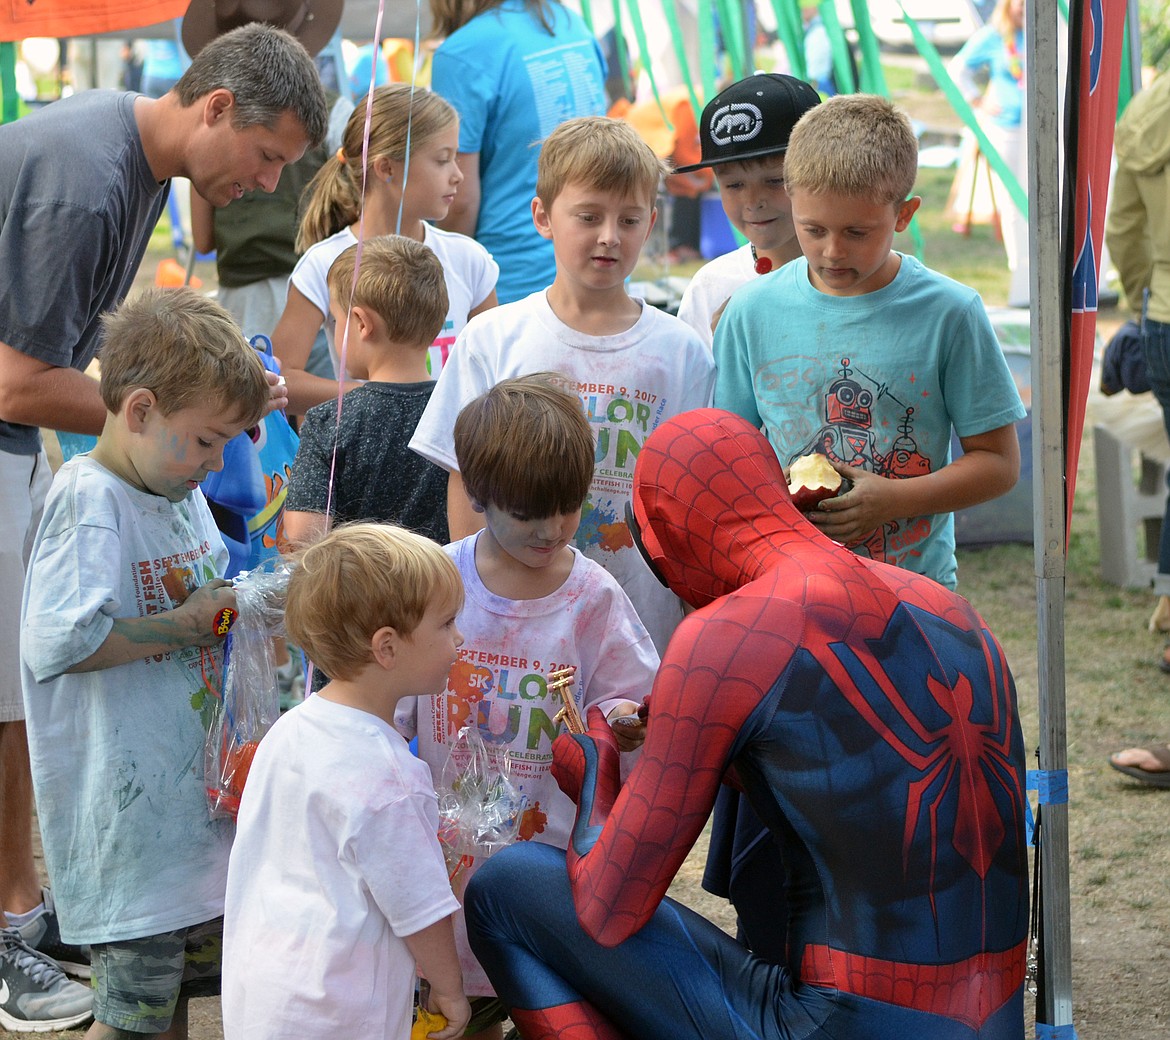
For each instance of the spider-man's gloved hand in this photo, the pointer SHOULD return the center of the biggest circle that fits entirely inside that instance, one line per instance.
(586, 767)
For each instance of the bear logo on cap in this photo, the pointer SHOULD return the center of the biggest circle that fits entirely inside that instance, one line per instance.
(736, 123)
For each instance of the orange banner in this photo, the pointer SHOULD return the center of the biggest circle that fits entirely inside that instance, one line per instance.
(20, 19)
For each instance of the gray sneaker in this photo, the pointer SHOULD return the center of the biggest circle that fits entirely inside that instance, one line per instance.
(35, 995)
(43, 934)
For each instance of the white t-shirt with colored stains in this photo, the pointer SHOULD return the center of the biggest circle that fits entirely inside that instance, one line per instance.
(117, 753)
(500, 683)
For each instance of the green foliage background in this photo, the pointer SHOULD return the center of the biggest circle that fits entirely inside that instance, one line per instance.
(1155, 25)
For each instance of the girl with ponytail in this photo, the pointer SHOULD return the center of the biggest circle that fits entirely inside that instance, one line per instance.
(410, 179)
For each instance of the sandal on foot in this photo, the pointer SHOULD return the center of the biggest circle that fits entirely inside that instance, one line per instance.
(1152, 777)
(1160, 618)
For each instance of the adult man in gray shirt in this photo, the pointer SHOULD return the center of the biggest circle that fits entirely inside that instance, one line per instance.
(82, 185)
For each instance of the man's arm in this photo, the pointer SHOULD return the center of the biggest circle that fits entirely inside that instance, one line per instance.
(1127, 234)
(463, 216)
(35, 393)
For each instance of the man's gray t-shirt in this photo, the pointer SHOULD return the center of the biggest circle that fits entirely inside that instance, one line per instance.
(78, 204)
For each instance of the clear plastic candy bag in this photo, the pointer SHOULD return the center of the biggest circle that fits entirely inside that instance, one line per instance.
(479, 806)
(250, 699)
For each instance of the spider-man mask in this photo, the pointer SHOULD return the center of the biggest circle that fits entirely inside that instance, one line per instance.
(711, 505)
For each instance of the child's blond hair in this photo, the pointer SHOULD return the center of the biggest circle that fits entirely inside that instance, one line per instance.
(400, 280)
(601, 153)
(856, 145)
(525, 446)
(401, 114)
(1001, 18)
(360, 578)
(184, 348)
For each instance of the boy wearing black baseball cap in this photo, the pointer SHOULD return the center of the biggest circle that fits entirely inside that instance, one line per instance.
(744, 135)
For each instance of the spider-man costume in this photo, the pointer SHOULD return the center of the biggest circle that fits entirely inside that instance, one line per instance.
(869, 716)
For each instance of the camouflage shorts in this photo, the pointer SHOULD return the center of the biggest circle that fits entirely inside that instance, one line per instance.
(139, 982)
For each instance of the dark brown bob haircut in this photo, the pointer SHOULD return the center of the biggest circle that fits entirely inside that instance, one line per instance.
(525, 446)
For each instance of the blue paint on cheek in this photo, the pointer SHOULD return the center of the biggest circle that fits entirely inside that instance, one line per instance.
(178, 447)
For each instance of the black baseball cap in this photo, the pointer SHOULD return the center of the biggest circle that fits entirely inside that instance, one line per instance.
(752, 118)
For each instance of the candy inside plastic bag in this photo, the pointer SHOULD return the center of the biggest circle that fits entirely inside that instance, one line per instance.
(479, 806)
(250, 700)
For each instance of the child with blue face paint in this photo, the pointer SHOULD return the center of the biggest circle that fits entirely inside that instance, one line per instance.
(121, 650)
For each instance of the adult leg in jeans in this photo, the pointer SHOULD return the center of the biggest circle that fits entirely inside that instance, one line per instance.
(1156, 340)
(1152, 764)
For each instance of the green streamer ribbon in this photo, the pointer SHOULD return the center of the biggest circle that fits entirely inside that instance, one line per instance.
(707, 59)
(966, 113)
(839, 46)
(619, 40)
(643, 48)
(790, 29)
(9, 101)
(670, 10)
(873, 79)
(731, 22)
(1125, 87)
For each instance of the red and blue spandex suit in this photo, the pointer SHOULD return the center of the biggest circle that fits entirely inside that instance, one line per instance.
(870, 718)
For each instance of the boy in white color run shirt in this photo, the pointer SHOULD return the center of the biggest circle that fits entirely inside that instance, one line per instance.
(337, 887)
(743, 135)
(120, 651)
(631, 365)
(534, 604)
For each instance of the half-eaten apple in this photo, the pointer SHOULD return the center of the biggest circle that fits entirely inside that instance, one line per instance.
(812, 479)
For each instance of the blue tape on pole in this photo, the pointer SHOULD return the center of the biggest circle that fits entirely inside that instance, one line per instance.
(1029, 824)
(1044, 1032)
(1050, 784)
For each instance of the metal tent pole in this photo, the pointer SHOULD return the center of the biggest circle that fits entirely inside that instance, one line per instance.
(1133, 29)
(1048, 462)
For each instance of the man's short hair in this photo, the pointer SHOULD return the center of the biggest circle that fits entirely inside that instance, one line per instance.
(360, 578)
(601, 153)
(400, 280)
(525, 446)
(857, 145)
(268, 72)
(184, 348)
